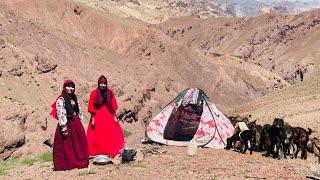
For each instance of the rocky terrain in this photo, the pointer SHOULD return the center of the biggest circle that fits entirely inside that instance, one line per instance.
(235, 61)
(298, 105)
(155, 12)
(285, 45)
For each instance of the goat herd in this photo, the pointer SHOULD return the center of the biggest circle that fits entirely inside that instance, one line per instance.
(272, 139)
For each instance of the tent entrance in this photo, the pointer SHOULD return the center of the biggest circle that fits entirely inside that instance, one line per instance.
(183, 123)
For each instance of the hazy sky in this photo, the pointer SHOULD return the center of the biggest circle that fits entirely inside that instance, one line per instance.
(306, 0)
(296, 0)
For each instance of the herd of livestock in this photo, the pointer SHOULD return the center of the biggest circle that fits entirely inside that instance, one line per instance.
(277, 139)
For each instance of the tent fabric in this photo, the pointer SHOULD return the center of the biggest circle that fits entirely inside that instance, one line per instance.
(214, 127)
(191, 97)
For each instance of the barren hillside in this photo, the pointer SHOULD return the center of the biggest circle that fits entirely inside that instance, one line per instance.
(159, 11)
(46, 42)
(298, 105)
(286, 45)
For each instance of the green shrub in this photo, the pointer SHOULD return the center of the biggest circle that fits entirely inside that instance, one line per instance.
(28, 161)
(127, 133)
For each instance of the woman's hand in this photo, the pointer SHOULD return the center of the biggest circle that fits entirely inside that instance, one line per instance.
(64, 133)
(92, 121)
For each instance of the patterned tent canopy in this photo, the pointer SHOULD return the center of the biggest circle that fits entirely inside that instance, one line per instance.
(214, 127)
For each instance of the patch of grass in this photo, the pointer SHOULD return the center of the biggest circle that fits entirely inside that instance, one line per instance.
(6, 165)
(86, 172)
(2, 170)
(45, 157)
(28, 161)
(127, 133)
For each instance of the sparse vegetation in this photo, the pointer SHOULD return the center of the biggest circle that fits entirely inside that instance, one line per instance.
(45, 157)
(28, 161)
(2, 170)
(8, 164)
(127, 133)
(86, 172)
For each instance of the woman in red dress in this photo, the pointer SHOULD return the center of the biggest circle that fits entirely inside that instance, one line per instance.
(70, 147)
(105, 135)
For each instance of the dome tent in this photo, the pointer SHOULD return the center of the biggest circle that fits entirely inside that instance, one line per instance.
(212, 127)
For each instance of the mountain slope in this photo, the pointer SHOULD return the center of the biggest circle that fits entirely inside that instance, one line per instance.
(298, 105)
(157, 11)
(43, 43)
(286, 45)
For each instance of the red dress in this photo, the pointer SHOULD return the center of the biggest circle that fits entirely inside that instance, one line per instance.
(70, 152)
(107, 136)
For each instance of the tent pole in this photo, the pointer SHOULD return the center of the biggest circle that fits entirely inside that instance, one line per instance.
(217, 130)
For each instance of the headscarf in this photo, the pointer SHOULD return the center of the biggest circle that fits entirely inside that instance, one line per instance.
(102, 97)
(102, 79)
(67, 98)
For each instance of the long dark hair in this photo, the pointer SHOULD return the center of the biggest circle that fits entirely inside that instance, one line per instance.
(104, 96)
(103, 92)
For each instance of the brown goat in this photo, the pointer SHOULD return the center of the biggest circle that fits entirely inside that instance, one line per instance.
(300, 138)
(314, 146)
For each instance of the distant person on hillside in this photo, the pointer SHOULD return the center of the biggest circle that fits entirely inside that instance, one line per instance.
(105, 135)
(70, 147)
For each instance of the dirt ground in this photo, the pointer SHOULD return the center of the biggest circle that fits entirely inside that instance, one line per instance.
(176, 164)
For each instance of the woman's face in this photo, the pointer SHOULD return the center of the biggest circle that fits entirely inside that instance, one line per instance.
(70, 90)
(103, 86)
